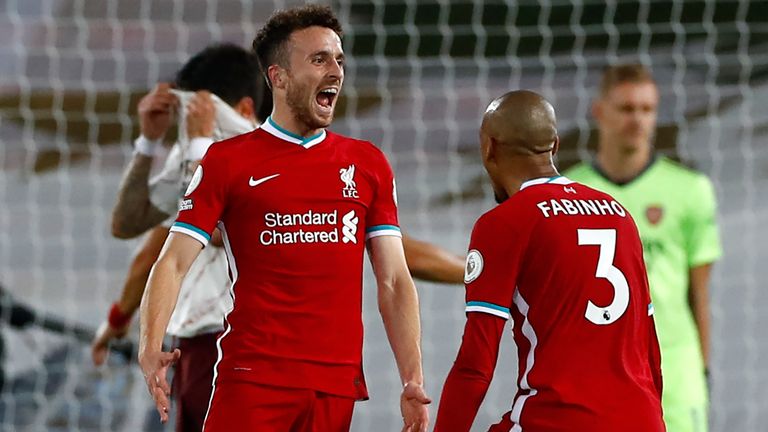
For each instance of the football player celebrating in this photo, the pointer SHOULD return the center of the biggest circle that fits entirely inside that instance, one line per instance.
(296, 205)
(565, 263)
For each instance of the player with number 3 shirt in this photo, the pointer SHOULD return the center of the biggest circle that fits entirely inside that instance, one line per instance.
(565, 263)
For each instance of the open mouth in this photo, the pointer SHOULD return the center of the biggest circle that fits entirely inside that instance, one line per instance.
(325, 97)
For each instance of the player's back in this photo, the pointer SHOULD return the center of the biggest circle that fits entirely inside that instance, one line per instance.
(588, 353)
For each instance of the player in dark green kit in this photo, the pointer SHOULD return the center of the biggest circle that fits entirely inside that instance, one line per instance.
(674, 208)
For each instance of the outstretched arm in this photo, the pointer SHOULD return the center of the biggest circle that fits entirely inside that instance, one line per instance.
(399, 307)
(158, 303)
(431, 263)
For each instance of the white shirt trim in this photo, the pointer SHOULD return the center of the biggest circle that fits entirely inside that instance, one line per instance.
(384, 232)
(272, 128)
(530, 334)
(491, 311)
(233, 271)
(194, 234)
(559, 180)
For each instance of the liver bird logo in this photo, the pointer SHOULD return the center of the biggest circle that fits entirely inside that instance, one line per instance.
(347, 176)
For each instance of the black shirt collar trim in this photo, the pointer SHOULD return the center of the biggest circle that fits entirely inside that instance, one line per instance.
(599, 170)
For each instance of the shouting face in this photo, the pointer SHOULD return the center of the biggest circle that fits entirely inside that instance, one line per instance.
(314, 76)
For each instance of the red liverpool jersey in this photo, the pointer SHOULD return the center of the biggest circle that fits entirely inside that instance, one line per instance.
(565, 262)
(294, 214)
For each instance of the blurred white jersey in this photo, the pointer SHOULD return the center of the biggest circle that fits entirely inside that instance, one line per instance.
(205, 297)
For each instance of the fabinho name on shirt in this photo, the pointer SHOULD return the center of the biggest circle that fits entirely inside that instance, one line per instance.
(586, 207)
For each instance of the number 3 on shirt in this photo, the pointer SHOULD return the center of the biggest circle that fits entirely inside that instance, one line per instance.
(606, 239)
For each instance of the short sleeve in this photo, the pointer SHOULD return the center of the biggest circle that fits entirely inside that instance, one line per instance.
(702, 236)
(492, 267)
(382, 213)
(204, 199)
(166, 187)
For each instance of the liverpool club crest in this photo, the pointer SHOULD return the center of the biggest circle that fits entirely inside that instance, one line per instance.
(348, 177)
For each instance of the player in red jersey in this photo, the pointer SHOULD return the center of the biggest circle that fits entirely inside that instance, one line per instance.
(296, 205)
(565, 263)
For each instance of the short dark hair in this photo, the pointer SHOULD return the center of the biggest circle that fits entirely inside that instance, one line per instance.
(226, 70)
(623, 73)
(269, 44)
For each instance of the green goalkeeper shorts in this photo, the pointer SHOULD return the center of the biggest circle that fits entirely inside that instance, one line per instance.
(685, 397)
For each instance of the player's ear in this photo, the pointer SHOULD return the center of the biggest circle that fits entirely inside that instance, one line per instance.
(486, 148)
(556, 146)
(277, 76)
(245, 107)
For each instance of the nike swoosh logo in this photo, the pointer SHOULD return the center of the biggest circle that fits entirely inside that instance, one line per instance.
(252, 182)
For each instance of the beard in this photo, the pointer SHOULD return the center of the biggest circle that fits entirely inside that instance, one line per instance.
(296, 99)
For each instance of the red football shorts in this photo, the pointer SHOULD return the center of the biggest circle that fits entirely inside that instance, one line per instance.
(255, 407)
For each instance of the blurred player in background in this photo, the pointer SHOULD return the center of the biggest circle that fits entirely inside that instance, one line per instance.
(565, 262)
(675, 212)
(217, 94)
(295, 204)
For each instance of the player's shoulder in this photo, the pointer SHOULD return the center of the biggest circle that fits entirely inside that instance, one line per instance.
(370, 159)
(685, 181)
(233, 149)
(511, 218)
(678, 171)
(235, 143)
(493, 220)
(355, 144)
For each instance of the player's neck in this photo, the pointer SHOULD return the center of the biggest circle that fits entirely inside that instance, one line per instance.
(285, 120)
(621, 166)
(528, 171)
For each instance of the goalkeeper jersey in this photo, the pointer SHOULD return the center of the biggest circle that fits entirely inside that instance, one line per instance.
(674, 208)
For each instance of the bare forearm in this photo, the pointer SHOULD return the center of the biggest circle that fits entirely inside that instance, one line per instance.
(158, 303)
(431, 263)
(399, 309)
(700, 308)
(698, 297)
(138, 272)
(133, 212)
